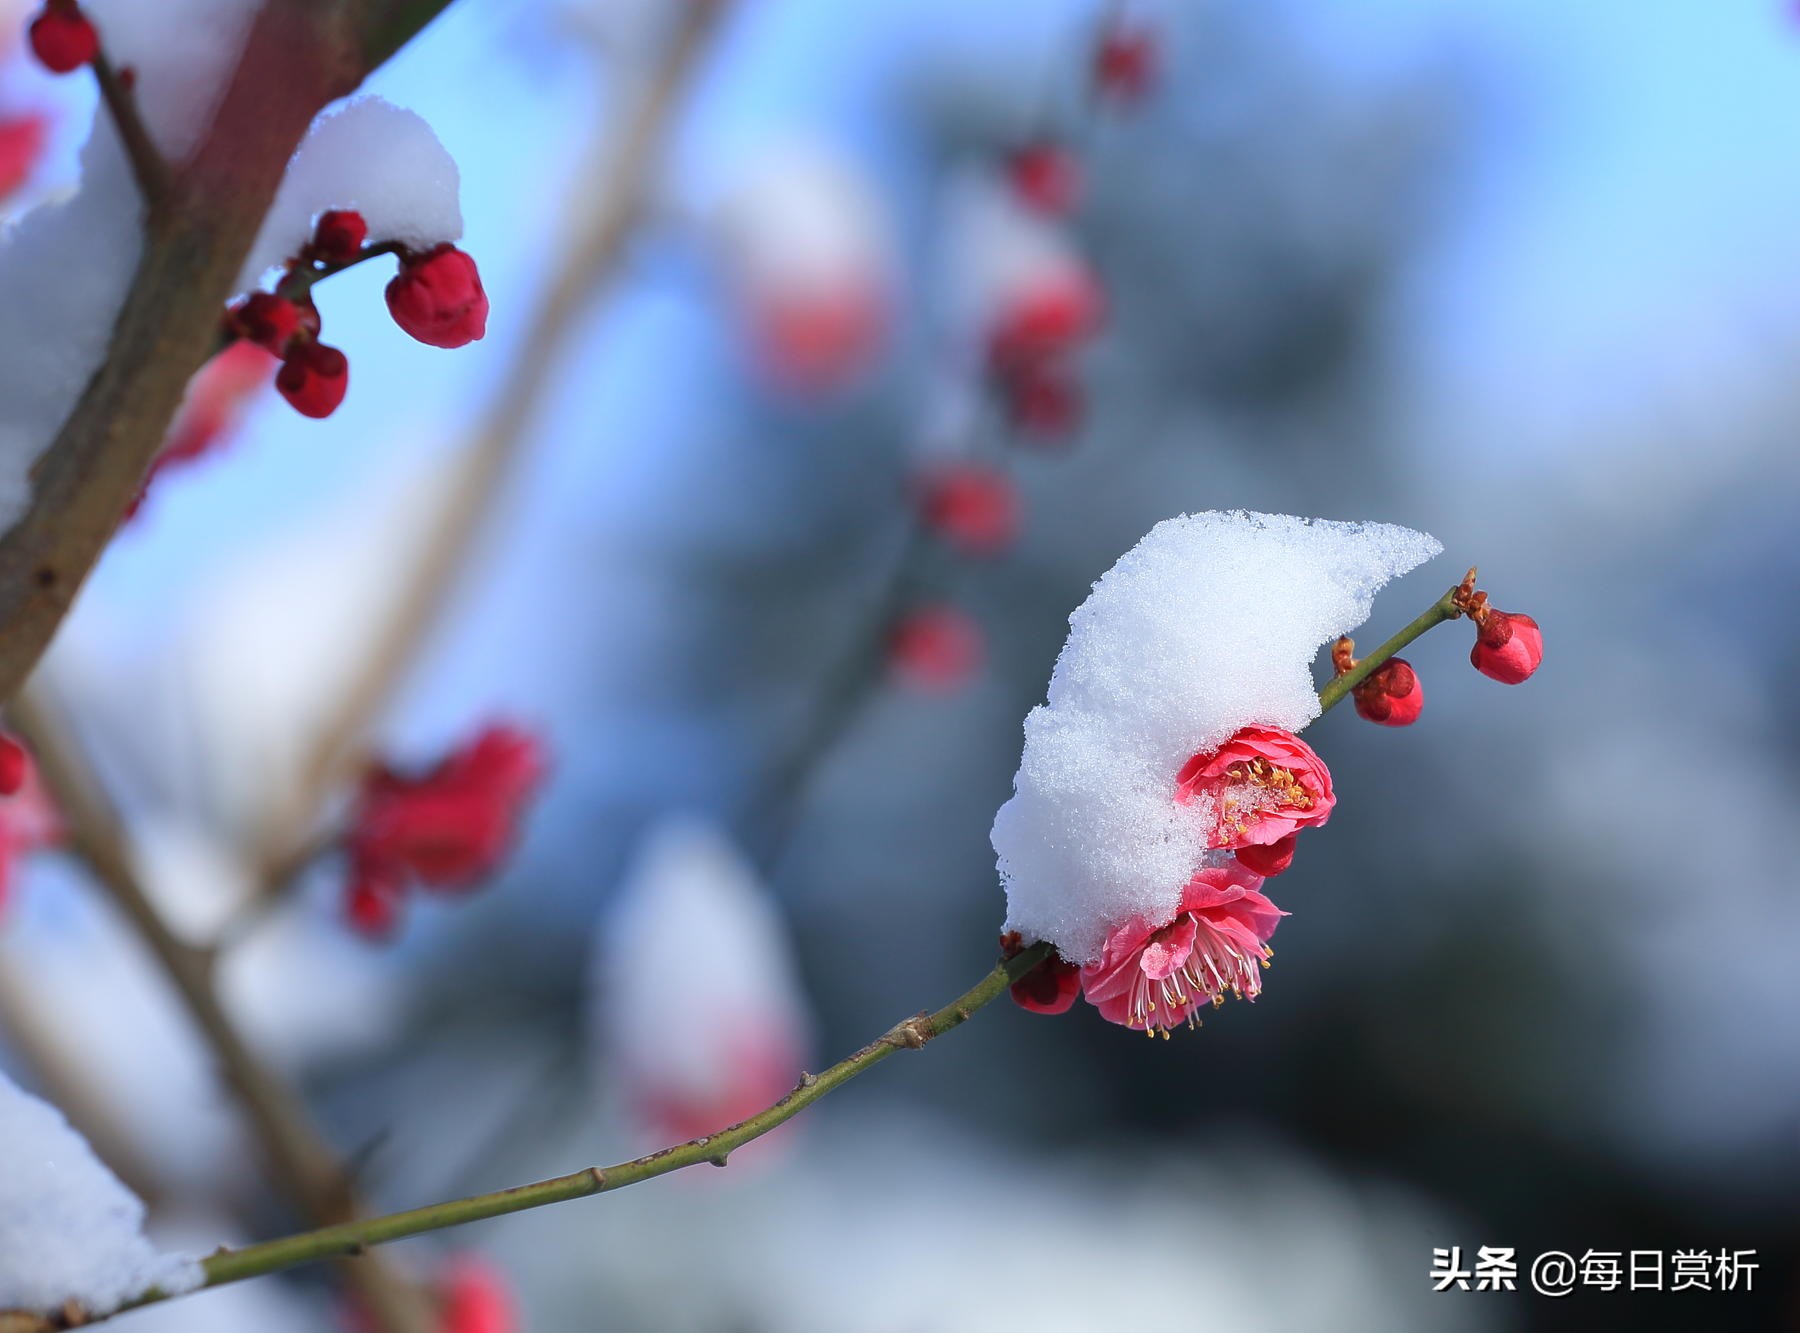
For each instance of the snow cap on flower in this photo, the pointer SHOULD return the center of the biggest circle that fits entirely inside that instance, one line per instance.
(1209, 625)
(369, 155)
(698, 1009)
(809, 254)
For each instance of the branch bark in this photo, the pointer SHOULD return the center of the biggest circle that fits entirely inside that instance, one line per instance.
(299, 56)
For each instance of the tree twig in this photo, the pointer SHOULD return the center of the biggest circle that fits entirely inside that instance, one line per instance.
(715, 1149)
(1445, 608)
(147, 162)
(301, 1159)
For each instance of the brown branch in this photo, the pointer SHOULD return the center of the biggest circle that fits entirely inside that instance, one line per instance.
(299, 56)
(302, 1162)
(147, 162)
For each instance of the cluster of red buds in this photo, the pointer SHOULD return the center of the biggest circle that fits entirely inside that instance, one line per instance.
(1509, 647)
(445, 829)
(436, 297)
(62, 37)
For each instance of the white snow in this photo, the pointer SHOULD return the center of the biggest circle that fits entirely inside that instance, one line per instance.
(182, 52)
(68, 1229)
(66, 265)
(801, 221)
(368, 154)
(692, 969)
(1207, 625)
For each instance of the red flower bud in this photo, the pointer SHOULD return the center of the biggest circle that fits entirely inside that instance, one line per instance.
(1508, 647)
(15, 765)
(314, 378)
(1045, 320)
(372, 903)
(339, 235)
(975, 509)
(437, 298)
(1391, 694)
(1049, 988)
(935, 648)
(1271, 859)
(1046, 178)
(267, 320)
(1044, 402)
(62, 38)
(1125, 63)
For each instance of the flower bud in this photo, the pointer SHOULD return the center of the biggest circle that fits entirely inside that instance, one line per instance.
(1046, 178)
(62, 38)
(1271, 859)
(437, 298)
(936, 648)
(974, 509)
(1391, 695)
(267, 320)
(372, 903)
(1049, 988)
(1125, 62)
(1508, 647)
(314, 378)
(1044, 402)
(340, 235)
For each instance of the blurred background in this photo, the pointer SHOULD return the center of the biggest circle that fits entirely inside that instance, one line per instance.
(1517, 273)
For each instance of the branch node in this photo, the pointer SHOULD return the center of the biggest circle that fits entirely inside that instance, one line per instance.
(598, 1176)
(807, 1080)
(719, 1159)
(913, 1033)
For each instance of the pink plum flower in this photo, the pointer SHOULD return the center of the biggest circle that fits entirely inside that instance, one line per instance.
(1266, 783)
(1155, 977)
(1509, 647)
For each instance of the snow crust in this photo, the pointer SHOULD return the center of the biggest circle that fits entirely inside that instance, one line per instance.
(68, 1229)
(377, 158)
(1207, 625)
(693, 968)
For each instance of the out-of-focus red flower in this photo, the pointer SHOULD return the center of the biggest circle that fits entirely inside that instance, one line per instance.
(22, 140)
(1045, 318)
(1046, 177)
(1125, 61)
(936, 649)
(813, 341)
(28, 821)
(1044, 400)
(217, 398)
(974, 508)
(445, 829)
(475, 1297)
(437, 297)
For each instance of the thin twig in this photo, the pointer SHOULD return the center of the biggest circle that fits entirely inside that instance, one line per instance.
(147, 162)
(303, 1162)
(1445, 608)
(715, 1149)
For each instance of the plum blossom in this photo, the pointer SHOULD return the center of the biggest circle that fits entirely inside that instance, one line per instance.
(1508, 647)
(1261, 788)
(446, 829)
(1154, 977)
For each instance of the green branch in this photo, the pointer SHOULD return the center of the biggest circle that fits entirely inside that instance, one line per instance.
(1445, 608)
(354, 1237)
